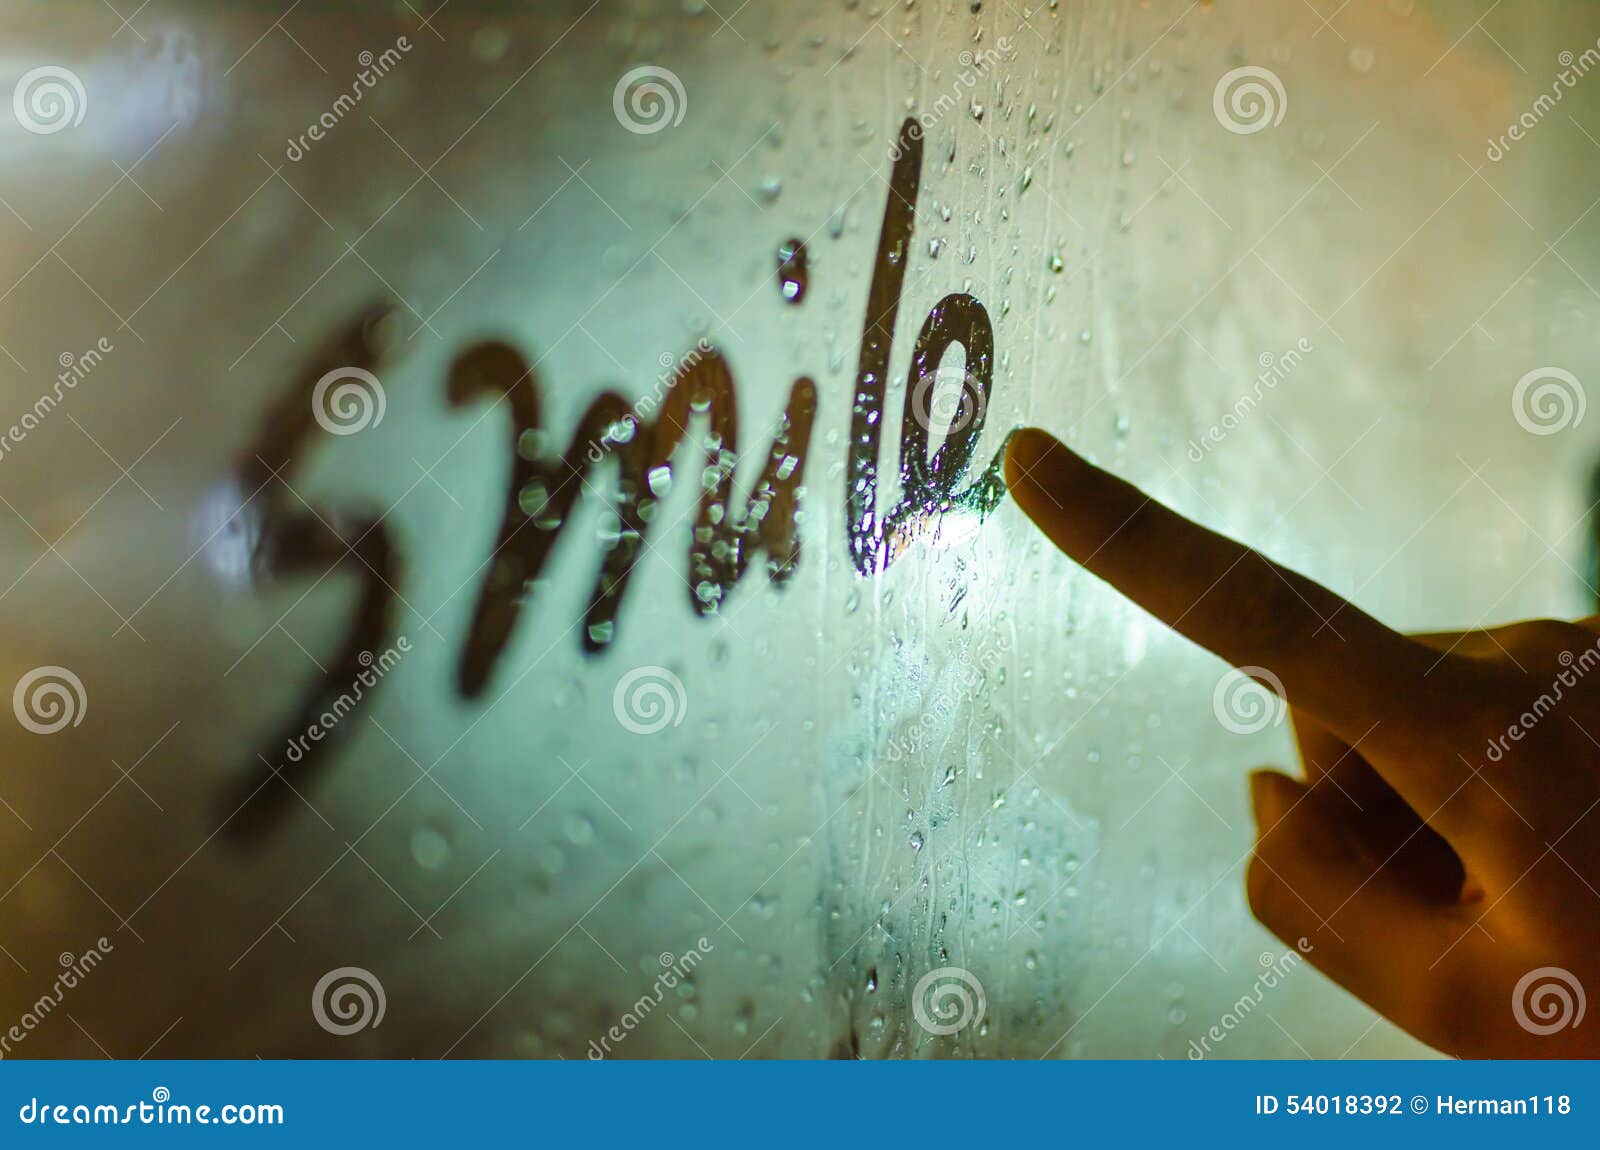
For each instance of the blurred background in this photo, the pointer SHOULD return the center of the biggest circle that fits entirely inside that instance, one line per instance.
(1321, 275)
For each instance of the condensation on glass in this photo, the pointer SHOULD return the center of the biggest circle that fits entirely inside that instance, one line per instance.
(686, 725)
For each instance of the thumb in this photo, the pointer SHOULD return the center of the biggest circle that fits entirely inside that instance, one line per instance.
(1317, 883)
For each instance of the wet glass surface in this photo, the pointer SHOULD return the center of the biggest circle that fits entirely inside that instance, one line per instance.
(499, 511)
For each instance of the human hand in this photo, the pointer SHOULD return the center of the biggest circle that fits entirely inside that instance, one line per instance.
(1442, 854)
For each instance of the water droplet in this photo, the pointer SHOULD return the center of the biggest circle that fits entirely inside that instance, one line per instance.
(793, 275)
(429, 848)
(489, 43)
(530, 444)
(580, 830)
(533, 498)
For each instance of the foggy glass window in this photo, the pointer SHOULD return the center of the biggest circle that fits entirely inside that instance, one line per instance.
(502, 536)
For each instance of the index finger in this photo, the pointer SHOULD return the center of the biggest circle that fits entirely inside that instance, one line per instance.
(1365, 682)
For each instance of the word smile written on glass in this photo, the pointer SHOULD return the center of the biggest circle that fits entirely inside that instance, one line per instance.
(700, 404)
